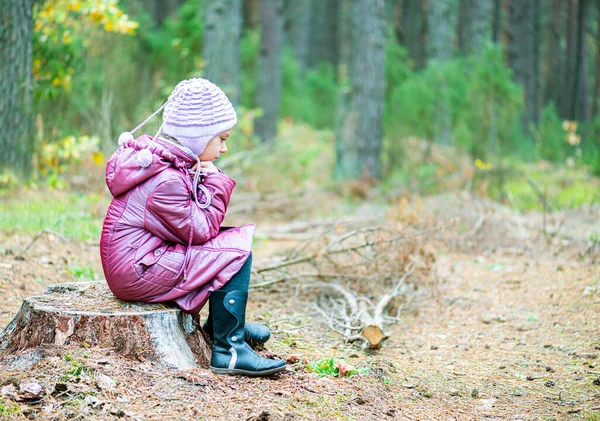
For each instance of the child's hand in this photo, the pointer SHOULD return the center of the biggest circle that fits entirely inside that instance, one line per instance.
(207, 166)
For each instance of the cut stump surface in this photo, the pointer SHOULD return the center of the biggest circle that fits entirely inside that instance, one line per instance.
(87, 313)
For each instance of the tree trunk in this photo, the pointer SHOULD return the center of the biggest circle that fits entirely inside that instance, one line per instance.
(268, 95)
(521, 55)
(553, 66)
(497, 21)
(88, 313)
(476, 25)
(411, 31)
(221, 45)
(16, 44)
(596, 98)
(324, 32)
(441, 24)
(297, 30)
(360, 123)
(580, 85)
(569, 79)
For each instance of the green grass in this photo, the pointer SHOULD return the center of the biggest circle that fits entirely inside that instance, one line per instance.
(72, 215)
(9, 410)
(562, 187)
(83, 273)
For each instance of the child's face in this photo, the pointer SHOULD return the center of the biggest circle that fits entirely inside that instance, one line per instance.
(215, 147)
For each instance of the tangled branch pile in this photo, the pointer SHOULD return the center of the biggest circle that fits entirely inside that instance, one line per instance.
(362, 278)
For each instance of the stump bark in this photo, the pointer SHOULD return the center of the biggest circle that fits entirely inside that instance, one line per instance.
(87, 313)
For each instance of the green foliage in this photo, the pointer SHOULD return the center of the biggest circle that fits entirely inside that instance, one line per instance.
(336, 367)
(309, 97)
(60, 157)
(250, 46)
(550, 137)
(76, 370)
(485, 104)
(562, 187)
(82, 273)
(61, 36)
(175, 47)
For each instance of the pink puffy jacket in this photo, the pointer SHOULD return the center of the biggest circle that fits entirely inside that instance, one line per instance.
(157, 244)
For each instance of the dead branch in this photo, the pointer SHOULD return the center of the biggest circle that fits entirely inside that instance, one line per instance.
(356, 317)
(366, 243)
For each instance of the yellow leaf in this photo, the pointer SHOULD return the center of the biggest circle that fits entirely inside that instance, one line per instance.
(56, 81)
(98, 158)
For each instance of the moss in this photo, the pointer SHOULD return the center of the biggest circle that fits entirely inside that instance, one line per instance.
(9, 410)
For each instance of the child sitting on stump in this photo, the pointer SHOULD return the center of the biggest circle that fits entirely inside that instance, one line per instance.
(162, 238)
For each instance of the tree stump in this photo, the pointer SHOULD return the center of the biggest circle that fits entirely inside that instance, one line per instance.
(87, 313)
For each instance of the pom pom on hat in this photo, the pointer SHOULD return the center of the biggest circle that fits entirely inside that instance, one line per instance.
(144, 158)
(125, 137)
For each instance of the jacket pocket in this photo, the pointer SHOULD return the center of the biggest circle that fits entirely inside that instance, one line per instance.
(162, 266)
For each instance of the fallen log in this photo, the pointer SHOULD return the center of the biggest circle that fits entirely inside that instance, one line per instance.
(88, 314)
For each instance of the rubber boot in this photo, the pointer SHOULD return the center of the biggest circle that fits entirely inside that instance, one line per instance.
(254, 334)
(231, 354)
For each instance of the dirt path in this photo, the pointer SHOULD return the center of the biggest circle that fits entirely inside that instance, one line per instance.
(509, 338)
(504, 336)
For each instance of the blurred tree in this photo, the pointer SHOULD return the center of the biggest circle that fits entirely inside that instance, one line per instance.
(474, 25)
(324, 33)
(16, 40)
(410, 28)
(553, 64)
(521, 54)
(268, 90)
(221, 50)
(251, 14)
(296, 28)
(497, 21)
(360, 118)
(579, 88)
(573, 98)
(441, 27)
(159, 10)
(596, 96)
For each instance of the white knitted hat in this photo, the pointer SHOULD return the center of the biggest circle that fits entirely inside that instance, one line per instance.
(200, 111)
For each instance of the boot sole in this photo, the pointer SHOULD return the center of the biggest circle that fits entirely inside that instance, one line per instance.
(238, 372)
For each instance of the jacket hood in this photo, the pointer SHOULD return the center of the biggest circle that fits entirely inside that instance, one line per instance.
(123, 172)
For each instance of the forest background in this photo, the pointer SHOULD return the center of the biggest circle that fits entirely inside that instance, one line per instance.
(405, 95)
(438, 158)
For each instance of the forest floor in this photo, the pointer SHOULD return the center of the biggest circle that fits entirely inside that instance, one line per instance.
(507, 329)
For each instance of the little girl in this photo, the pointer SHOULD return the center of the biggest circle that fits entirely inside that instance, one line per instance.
(162, 238)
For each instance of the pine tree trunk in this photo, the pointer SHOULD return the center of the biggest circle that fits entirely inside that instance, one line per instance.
(268, 95)
(412, 30)
(476, 25)
(16, 43)
(596, 97)
(553, 66)
(297, 30)
(360, 123)
(251, 12)
(521, 55)
(442, 16)
(568, 82)
(324, 32)
(580, 86)
(221, 49)
(497, 21)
